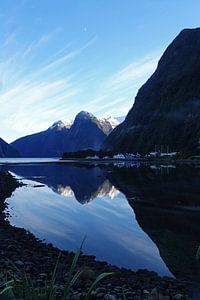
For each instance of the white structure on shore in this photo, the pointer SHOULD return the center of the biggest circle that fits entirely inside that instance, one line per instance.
(132, 156)
(119, 156)
(162, 154)
(92, 157)
(128, 156)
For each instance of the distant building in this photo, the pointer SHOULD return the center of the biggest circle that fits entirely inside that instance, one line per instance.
(162, 154)
(168, 154)
(132, 156)
(154, 154)
(119, 156)
(92, 157)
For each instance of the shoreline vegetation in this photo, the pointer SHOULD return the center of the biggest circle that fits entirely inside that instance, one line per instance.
(95, 161)
(142, 160)
(37, 260)
(101, 156)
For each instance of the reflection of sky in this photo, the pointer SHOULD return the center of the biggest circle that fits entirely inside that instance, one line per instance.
(111, 230)
(7, 160)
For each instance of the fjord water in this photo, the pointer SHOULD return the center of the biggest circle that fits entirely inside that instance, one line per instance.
(133, 217)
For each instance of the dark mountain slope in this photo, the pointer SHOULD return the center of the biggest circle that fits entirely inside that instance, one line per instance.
(87, 132)
(48, 143)
(7, 150)
(167, 107)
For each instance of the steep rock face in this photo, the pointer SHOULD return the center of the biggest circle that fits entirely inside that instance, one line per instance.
(114, 122)
(167, 107)
(48, 143)
(85, 132)
(7, 150)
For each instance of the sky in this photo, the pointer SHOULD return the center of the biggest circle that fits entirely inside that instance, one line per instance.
(58, 57)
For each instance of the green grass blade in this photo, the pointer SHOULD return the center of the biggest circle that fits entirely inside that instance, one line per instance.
(123, 295)
(7, 288)
(99, 278)
(74, 279)
(53, 279)
(72, 270)
(198, 254)
(7, 291)
(14, 266)
(6, 283)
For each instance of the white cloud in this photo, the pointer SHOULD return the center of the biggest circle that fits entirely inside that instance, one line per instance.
(9, 39)
(116, 94)
(33, 96)
(133, 72)
(42, 41)
(36, 92)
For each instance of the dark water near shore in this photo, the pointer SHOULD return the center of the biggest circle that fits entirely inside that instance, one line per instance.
(133, 217)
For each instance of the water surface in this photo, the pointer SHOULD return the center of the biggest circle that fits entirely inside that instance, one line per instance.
(138, 217)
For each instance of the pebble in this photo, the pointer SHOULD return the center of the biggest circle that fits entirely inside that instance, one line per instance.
(137, 297)
(100, 295)
(178, 297)
(100, 290)
(145, 292)
(19, 263)
(110, 297)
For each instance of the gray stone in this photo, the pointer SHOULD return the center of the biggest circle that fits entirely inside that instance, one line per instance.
(154, 291)
(100, 290)
(178, 297)
(19, 263)
(145, 292)
(100, 295)
(110, 297)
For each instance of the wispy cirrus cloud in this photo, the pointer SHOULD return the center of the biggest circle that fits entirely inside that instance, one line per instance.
(42, 41)
(133, 72)
(33, 96)
(36, 92)
(117, 92)
(9, 39)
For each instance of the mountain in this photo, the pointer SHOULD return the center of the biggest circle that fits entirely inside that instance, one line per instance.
(120, 119)
(48, 143)
(86, 131)
(59, 125)
(85, 184)
(110, 120)
(167, 107)
(7, 150)
(166, 205)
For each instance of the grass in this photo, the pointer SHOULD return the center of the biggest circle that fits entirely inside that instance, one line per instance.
(22, 286)
(123, 295)
(198, 254)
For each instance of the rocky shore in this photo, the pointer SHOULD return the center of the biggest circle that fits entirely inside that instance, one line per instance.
(38, 260)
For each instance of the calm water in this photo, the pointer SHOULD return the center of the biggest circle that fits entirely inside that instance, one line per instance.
(134, 217)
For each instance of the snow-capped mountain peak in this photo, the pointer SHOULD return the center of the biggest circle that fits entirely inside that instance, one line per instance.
(60, 124)
(68, 123)
(111, 120)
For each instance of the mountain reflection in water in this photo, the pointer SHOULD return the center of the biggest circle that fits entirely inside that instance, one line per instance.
(141, 217)
(166, 202)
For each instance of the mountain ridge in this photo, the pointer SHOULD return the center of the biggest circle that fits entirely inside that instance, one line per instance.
(166, 110)
(85, 131)
(7, 150)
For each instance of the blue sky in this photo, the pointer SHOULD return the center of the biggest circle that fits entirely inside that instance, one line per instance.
(58, 57)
